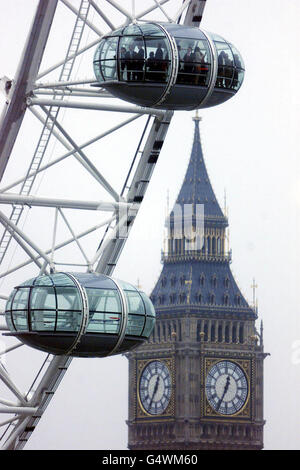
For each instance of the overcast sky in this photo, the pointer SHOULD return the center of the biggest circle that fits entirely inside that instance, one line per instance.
(251, 148)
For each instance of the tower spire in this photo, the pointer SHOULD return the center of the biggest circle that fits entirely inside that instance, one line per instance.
(196, 264)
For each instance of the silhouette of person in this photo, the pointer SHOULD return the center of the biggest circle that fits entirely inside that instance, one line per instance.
(140, 61)
(188, 66)
(130, 61)
(159, 56)
(151, 66)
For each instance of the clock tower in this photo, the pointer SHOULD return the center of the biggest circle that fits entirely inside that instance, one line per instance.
(198, 381)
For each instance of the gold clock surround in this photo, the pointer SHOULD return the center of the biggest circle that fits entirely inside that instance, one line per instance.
(169, 411)
(245, 411)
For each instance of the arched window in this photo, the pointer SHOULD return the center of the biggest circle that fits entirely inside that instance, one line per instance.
(201, 279)
(241, 334)
(208, 247)
(219, 246)
(226, 282)
(234, 336)
(220, 335)
(227, 334)
(213, 333)
(214, 281)
(226, 299)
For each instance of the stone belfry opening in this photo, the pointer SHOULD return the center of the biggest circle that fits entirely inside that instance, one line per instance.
(198, 381)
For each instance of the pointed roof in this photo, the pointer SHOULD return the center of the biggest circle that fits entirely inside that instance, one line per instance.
(196, 187)
(199, 281)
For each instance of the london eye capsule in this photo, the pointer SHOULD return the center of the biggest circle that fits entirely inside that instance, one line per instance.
(168, 66)
(79, 314)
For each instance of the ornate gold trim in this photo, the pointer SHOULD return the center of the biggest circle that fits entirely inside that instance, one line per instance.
(245, 365)
(170, 410)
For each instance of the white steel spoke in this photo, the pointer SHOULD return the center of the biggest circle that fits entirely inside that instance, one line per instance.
(95, 107)
(83, 159)
(65, 144)
(121, 10)
(65, 83)
(162, 10)
(59, 246)
(58, 203)
(8, 421)
(102, 14)
(5, 220)
(12, 387)
(72, 56)
(74, 236)
(150, 9)
(77, 13)
(11, 348)
(181, 10)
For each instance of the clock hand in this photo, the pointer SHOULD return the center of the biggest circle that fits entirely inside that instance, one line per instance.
(155, 390)
(224, 393)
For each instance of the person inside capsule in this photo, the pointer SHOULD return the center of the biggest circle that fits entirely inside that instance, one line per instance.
(205, 70)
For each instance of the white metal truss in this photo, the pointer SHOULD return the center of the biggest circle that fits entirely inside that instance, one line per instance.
(40, 90)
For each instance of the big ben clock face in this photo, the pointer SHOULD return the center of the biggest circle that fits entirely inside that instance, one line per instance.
(155, 387)
(226, 387)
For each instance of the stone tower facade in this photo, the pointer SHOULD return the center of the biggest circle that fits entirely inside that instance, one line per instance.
(198, 381)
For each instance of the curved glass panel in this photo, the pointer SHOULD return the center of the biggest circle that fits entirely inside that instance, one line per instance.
(150, 29)
(194, 62)
(135, 303)
(238, 60)
(225, 65)
(43, 320)
(132, 30)
(131, 58)
(150, 322)
(126, 285)
(105, 66)
(43, 298)
(43, 281)
(20, 320)
(8, 303)
(68, 298)
(68, 321)
(20, 301)
(107, 323)
(148, 305)
(101, 300)
(61, 279)
(98, 281)
(238, 78)
(157, 59)
(135, 325)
